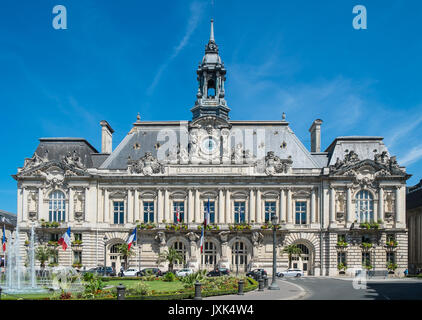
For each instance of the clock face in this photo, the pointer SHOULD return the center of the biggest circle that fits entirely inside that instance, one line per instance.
(209, 145)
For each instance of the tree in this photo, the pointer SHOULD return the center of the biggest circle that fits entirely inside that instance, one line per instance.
(125, 252)
(43, 254)
(292, 250)
(171, 256)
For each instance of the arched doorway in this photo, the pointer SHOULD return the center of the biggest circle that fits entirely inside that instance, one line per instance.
(304, 261)
(115, 258)
(239, 257)
(209, 256)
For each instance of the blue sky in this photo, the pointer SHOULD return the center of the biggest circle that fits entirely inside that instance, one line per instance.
(118, 58)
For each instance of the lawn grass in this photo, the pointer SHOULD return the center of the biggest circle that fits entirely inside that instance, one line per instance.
(156, 285)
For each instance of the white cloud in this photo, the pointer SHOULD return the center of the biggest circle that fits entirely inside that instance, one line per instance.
(196, 9)
(414, 155)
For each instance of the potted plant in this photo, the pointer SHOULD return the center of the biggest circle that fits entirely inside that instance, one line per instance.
(366, 245)
(342, 244)
(391, 267)
(342, 268)
(391, 243)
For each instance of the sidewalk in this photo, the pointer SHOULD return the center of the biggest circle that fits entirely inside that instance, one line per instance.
(375, 279)
(288, 291)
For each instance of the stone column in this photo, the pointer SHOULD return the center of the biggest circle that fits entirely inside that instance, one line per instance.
(20, 208)
(282, 207)
(349, 208)
(197, 207)
(252, 215)
(289, 207)
(129, 206)
(191, 208)
(70, 208)
(332, 205)
(41, 202)
(221, 218)
(229, 214)
(137, 204)
(313, 206)
(24, 216)
(167, 211)
(258, 206)
(160, 211)
(398, 205)
(106, 207)
(381, 204)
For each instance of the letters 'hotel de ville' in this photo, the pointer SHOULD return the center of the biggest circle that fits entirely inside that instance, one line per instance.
(344, 205)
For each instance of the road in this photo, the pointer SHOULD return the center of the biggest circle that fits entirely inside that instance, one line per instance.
(342, 289)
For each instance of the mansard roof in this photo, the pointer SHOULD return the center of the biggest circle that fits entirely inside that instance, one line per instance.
(55, 148)
(279, 138)
(364, 147)
(9, 218)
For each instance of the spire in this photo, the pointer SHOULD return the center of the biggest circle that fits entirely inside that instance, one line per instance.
(212, 31)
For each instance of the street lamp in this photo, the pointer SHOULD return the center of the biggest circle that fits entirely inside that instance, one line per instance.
(274, 285)
(105, 253)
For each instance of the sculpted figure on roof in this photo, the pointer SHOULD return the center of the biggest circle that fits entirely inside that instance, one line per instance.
(147, 165)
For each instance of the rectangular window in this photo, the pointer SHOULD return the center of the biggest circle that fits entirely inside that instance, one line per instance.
(341, 258)
(391, 257)
(239, 212)
(54, 237)
(269, 210)
(212, 210)
(148, 211)
(366, 258)
(341, 238)
(78, 236)
(119, 212)
(77, 257)
(391, 237)
(300, 212)
(179, 211)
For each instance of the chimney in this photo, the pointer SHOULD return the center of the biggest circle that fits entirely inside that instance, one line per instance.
(106, 137)
(315, 131)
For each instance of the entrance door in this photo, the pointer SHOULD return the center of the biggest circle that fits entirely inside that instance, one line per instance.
(302, 262)
(239, 257)
(114, 258)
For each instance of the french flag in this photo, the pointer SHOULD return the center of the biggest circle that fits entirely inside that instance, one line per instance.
(3, 239)
(207, 214)
(202, 238)
(131, 239)
(65, 239)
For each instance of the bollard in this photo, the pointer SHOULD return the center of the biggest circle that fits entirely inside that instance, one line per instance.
(197, 291)
(261, 284)
(265, 281)
(0, 292)
(121, 292)
(240, 287)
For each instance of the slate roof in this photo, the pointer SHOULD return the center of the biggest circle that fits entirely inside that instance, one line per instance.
(414, 196)
(59, 147)
(10, 218)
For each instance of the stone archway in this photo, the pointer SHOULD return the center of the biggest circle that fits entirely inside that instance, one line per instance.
(309, 245)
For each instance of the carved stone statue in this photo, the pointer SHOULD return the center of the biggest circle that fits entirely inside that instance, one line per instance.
(257, 238)
(161, 238)
(147, 165)
(274, 165)
(192, 236)
(72, 160)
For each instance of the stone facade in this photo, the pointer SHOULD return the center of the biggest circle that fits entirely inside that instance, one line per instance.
(414, 223)
(245, 170)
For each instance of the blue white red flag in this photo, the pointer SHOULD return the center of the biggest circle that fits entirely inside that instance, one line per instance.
(202, 238)
(177, 214)
(3, 239)
(131, 239)
(207, 214)
(65, 239)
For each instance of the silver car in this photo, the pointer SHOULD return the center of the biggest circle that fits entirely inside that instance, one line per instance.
(291, 273)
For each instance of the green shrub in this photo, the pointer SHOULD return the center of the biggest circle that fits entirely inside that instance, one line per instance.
(190, 279)
(140, 288)
(169, 277)
(92, 283)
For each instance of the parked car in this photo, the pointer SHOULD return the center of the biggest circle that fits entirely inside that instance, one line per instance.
(219, 272)
(100, 271)
(290, 273)
(184, 272)
(148, 271)
(256, 273)
(131, 272)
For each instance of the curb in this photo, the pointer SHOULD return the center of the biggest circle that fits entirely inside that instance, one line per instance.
(299, 295)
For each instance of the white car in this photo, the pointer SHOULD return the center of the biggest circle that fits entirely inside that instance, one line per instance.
(131, 272)
(291, 273)
(184, 272)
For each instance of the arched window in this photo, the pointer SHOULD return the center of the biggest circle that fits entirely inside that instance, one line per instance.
(180, 248)
(364, 206)
(239, 256)
(209, 254)
(57, 206)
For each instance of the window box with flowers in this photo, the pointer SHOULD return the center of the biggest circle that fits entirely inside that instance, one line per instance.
(53, 264)
(368, 267)
(76, 242)
(342, 244)
(77, 265)
(240, 227)
(176, 226)
(366, 245)
(342, 268)
(209, 227)
(391, 267)
(269, 225)
(48, 225)
(53, 243)
(147, 226)
(391, 244)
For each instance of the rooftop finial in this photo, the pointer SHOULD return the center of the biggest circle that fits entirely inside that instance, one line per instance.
(283, 116)
(138, 117)
(212, 31)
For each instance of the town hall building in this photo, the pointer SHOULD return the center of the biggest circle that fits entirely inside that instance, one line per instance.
(344, 206)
